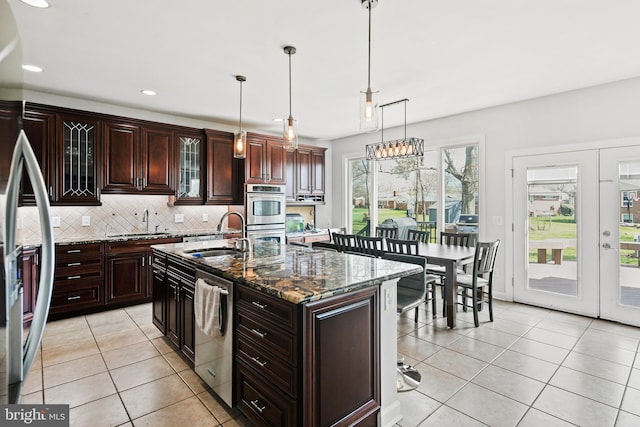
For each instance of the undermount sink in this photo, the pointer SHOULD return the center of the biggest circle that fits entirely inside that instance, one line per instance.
(210, 252)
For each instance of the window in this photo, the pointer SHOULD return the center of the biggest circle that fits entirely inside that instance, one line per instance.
(442, 183)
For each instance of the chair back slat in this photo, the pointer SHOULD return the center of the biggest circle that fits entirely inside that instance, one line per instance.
(370, 245)
(345, 242)
(396, 246)
(485, 257)
(388, 232)
(419, 235)
(327, 246)
(455, 239)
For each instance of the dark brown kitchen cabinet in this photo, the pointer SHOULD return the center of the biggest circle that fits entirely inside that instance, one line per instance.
(126, 277)
(79, 278)
(291, 363)
(330, 326)
(9, 112)
(266, 160)
(39, 126)
(290, 176)
(225, 177)
(159, 291)
(137, 159)
(305, 175)
(30, 278)
(191, 166)
(179, 312)
(77, 159)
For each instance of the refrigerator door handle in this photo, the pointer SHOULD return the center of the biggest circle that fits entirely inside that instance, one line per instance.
(23, 156)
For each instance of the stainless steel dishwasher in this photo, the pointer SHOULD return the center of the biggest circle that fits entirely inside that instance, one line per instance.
(214, 355)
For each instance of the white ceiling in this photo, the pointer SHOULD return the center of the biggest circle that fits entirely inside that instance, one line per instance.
(446, 56)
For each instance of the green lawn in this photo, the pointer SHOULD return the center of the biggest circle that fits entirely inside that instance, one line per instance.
(358, 216)
(564, 227)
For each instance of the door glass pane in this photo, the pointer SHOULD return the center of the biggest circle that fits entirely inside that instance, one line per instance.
(552, 229)
(361, 181)
(408, 194)
(78, 167)
(629, 286)
(189, 167)
(460, 166)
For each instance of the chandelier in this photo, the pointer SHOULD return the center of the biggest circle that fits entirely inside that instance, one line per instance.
(393, 149)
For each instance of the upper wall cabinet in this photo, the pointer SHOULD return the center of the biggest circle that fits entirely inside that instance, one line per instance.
(137, 159)
(77, 160)
(9, 112)
(39, 126)
(190, 166)
(224, 172)
(305, 175)
(266, 160)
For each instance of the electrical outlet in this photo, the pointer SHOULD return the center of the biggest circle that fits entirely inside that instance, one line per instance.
(178, 218)
(205, 217)
(55, 221)
(86, 220)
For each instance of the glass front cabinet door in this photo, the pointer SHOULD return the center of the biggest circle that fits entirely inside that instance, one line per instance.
(77, 151)
(190, 185)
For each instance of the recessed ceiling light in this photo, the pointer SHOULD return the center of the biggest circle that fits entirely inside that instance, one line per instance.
(149, 92)
(42, 4)
(32, 68)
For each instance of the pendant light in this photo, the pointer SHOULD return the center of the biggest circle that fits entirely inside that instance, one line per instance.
(240, 137)
(397, 148)
(369, 98)
(290, 131)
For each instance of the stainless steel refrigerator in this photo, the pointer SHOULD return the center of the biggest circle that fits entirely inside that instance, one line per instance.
(17, 355)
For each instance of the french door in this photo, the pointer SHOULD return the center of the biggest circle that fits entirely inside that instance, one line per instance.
(556, 231)
(577, 232)
(620, 235)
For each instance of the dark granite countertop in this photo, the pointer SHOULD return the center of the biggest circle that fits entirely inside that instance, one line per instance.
(123, 237)
(293, 273)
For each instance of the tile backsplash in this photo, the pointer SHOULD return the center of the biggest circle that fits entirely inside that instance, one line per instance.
(118, 214)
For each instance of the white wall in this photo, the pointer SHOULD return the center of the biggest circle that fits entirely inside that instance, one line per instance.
(589, 115)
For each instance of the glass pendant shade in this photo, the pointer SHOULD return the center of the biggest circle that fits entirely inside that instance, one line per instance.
(240, 144)
(368, 111)
(290, 133)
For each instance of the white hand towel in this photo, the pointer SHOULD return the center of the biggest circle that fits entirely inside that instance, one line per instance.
(207, 308)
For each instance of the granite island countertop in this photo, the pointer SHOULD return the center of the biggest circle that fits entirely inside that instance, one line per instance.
(293, 273)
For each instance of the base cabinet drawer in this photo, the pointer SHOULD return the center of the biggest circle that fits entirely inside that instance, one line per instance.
(262, 403)
(70, 298)
(264, 363)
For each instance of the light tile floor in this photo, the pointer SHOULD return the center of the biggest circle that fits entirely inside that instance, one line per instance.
(530, 367)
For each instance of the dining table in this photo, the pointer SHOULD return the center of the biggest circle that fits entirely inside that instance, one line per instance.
(451, 258)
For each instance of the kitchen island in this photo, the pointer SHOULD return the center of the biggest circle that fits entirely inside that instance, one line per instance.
(314, 331)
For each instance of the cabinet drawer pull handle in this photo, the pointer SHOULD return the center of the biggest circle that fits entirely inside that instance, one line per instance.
(254, 403)
(259, 362)
(259, 333)
(73, 251)
(73, 264)
(73, 277)
(259, 304)
(210, 372)
(73, 298)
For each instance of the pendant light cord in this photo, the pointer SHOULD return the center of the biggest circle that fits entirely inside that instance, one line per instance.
(290, 85)
(369, 55)
(240, 124)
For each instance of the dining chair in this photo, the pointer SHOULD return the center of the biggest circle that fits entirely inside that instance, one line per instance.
(397, 246)
(388, 232)
(412, 290)
(370, 245)
(450, 239)
(332, 231)
(326, 246)
(455, 239)
(419, 235)
(477, 286)
(345, 242)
